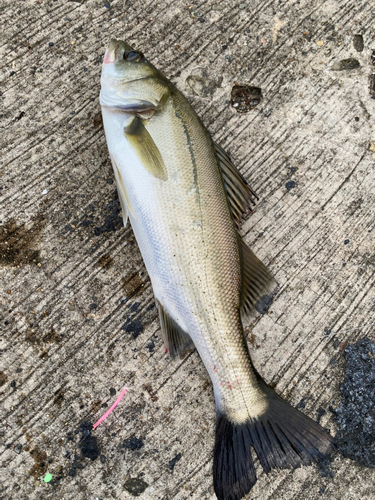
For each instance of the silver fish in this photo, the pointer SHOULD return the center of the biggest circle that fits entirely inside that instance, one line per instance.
(185, 201)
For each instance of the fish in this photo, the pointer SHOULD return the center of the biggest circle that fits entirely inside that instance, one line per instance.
(185, 201)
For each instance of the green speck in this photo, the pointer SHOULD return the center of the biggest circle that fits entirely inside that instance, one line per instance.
(47, 478)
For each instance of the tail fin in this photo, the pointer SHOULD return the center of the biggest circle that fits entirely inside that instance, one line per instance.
(282, 437)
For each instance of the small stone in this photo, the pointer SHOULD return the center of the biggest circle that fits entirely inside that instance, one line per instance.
(320, 43)
(93, 306)
(110, 181)
(290, 185)
(135, 486)
(103, 459)
(372, 147)
(51, 44)
(107, 5)
(18, 448)
(91, 322)
(346, 242)
(112, 391)
(242, 6)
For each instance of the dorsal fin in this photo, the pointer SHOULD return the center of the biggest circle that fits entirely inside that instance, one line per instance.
(240, 195)
(176, 340)
(258, 284)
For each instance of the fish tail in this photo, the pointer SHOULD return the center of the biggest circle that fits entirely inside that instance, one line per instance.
(282, 437)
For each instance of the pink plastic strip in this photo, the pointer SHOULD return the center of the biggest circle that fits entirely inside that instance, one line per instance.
(123, 392)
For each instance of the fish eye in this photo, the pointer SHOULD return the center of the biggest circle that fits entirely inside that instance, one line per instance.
(132, 56)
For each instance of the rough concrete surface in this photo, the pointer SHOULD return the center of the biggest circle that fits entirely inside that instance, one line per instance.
(78, 315)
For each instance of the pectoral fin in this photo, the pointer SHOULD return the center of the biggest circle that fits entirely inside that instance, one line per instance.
(145, 148)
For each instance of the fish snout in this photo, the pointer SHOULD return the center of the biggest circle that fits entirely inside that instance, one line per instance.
(115, 51)
(111, 54)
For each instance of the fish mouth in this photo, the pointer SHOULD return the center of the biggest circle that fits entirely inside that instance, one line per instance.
(111, 54)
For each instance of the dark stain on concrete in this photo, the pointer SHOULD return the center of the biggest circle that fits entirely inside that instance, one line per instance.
(88, 444)
(3, 379)
(132, 285)
(19, 245)
(134, 327)
(40, 463)
(355, 416)
(105, 262)
(59, 397)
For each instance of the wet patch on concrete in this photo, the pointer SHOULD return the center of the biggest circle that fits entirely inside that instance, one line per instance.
(355, 416)
(112, 217)
(358, 43)
(20, 245)
(245, 97)
(345, 64)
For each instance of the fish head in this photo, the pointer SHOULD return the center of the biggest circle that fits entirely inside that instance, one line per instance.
(130, 83)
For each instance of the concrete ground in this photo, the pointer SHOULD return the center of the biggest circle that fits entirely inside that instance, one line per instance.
(78, 315)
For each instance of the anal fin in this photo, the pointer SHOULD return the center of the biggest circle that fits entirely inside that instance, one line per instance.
(176, 340)
(258, 284)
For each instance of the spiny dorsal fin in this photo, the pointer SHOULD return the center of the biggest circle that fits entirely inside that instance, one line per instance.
(258, 284)
(176, 340)
(239, 193)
